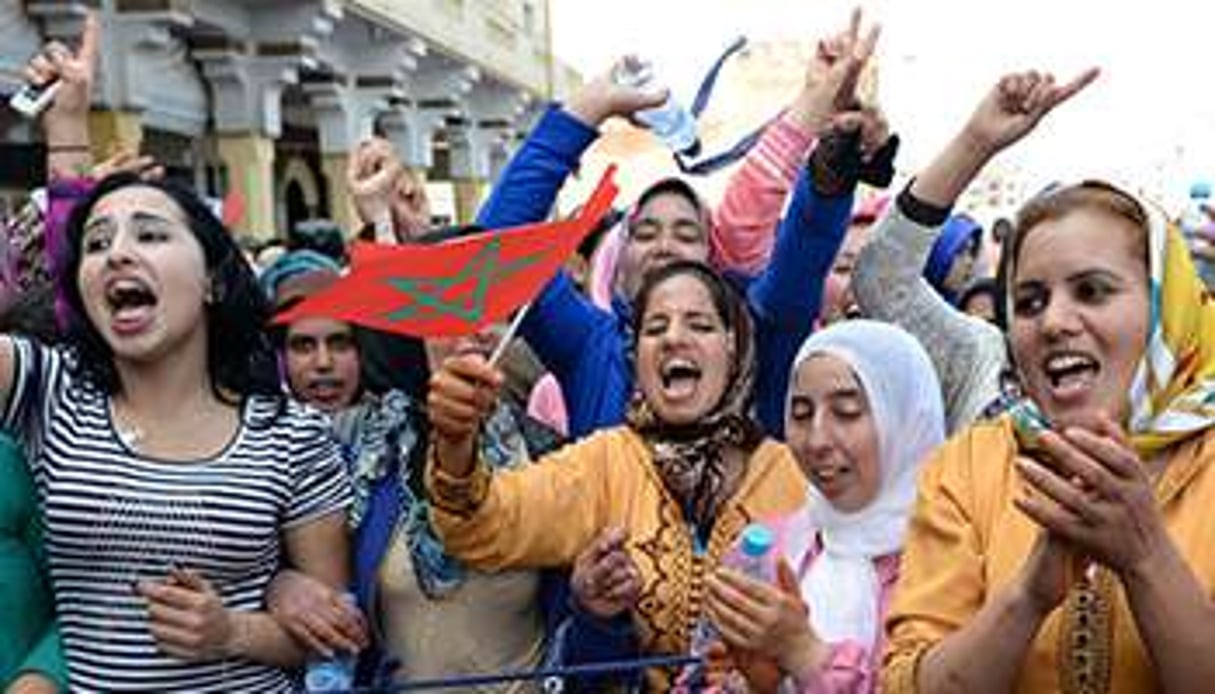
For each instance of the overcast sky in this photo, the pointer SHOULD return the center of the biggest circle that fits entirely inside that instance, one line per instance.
(1149, 119)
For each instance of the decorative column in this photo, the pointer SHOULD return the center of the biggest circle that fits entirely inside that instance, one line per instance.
(438, 91)
(411, 130)
(249, 162)
(365, 69)
(247, 81)
(112, 130)
(247, 102)
(493, 111)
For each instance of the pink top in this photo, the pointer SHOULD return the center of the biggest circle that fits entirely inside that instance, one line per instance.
(850, 667)
(547, 404)
(744, 223)
(743, 227)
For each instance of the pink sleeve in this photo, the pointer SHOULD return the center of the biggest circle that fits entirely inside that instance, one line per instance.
(744, 223)
(601, 282)
(547, 404)
(848, 669)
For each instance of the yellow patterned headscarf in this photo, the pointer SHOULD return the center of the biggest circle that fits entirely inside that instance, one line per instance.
(1172, 395)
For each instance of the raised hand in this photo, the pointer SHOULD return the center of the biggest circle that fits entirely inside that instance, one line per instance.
(605, 581)
(75, 72)
(371, 174)
(834, 73)
(870, 123)
(1015, 105)
(410, 208)
(603, 97)
(1007, 113)
(462, 394)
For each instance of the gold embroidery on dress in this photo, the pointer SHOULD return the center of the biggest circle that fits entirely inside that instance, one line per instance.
(1086, 634)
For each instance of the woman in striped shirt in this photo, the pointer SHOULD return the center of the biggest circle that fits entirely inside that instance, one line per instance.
(175, 478)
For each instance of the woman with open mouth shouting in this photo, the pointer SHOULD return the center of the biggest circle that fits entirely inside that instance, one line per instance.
(1067, 547)
(682, 478)
(173, 475)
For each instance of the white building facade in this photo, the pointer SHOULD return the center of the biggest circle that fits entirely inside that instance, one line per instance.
(268, 97)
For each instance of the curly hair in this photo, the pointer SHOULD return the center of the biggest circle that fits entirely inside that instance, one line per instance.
(240, 359)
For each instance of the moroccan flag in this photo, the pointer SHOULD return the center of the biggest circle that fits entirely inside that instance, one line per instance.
(454, 287)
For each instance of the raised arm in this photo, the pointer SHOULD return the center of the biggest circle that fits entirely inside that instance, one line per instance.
(575, 340)
(887, 281)
(65, 125)
(528, 186)
(785, 300)
(65, 122)
(741, 236)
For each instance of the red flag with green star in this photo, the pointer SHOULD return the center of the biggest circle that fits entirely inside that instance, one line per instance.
(454, 287)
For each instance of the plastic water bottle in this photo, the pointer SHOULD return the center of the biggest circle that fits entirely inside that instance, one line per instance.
(334, 674)
(753, 558)
(670, 121)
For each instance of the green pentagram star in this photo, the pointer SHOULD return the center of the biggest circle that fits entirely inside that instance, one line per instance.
(427, 293)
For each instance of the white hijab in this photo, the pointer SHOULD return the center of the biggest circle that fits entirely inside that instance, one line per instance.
(904, 398)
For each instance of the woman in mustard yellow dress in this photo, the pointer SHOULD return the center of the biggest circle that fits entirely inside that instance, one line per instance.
(1072, 553)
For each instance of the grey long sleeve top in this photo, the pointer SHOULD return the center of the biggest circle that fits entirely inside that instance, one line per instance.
(969, 353)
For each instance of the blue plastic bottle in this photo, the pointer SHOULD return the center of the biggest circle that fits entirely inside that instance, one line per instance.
(335, 674)
(670, 121)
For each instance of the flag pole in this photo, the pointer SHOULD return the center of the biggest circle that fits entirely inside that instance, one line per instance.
(509, 334)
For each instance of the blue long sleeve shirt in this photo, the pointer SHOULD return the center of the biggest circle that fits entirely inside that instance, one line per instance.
(587, 348)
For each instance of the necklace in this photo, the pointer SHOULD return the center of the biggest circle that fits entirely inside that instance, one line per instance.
(130, 434)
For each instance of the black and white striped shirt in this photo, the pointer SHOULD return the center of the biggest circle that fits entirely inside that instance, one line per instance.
(114, 517)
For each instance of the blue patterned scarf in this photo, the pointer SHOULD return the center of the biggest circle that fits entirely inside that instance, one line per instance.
(387, 436)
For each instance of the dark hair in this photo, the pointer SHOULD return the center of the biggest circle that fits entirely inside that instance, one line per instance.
(240, 360)
(982, 286)
(726, 301)
(320, 235)
(32, 313)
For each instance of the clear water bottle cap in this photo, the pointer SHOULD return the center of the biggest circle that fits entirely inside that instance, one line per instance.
(757, 540)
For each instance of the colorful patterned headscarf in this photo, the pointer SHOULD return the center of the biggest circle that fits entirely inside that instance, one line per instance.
(1172, 395)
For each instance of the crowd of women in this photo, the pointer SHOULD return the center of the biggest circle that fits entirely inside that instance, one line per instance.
(198, 499)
